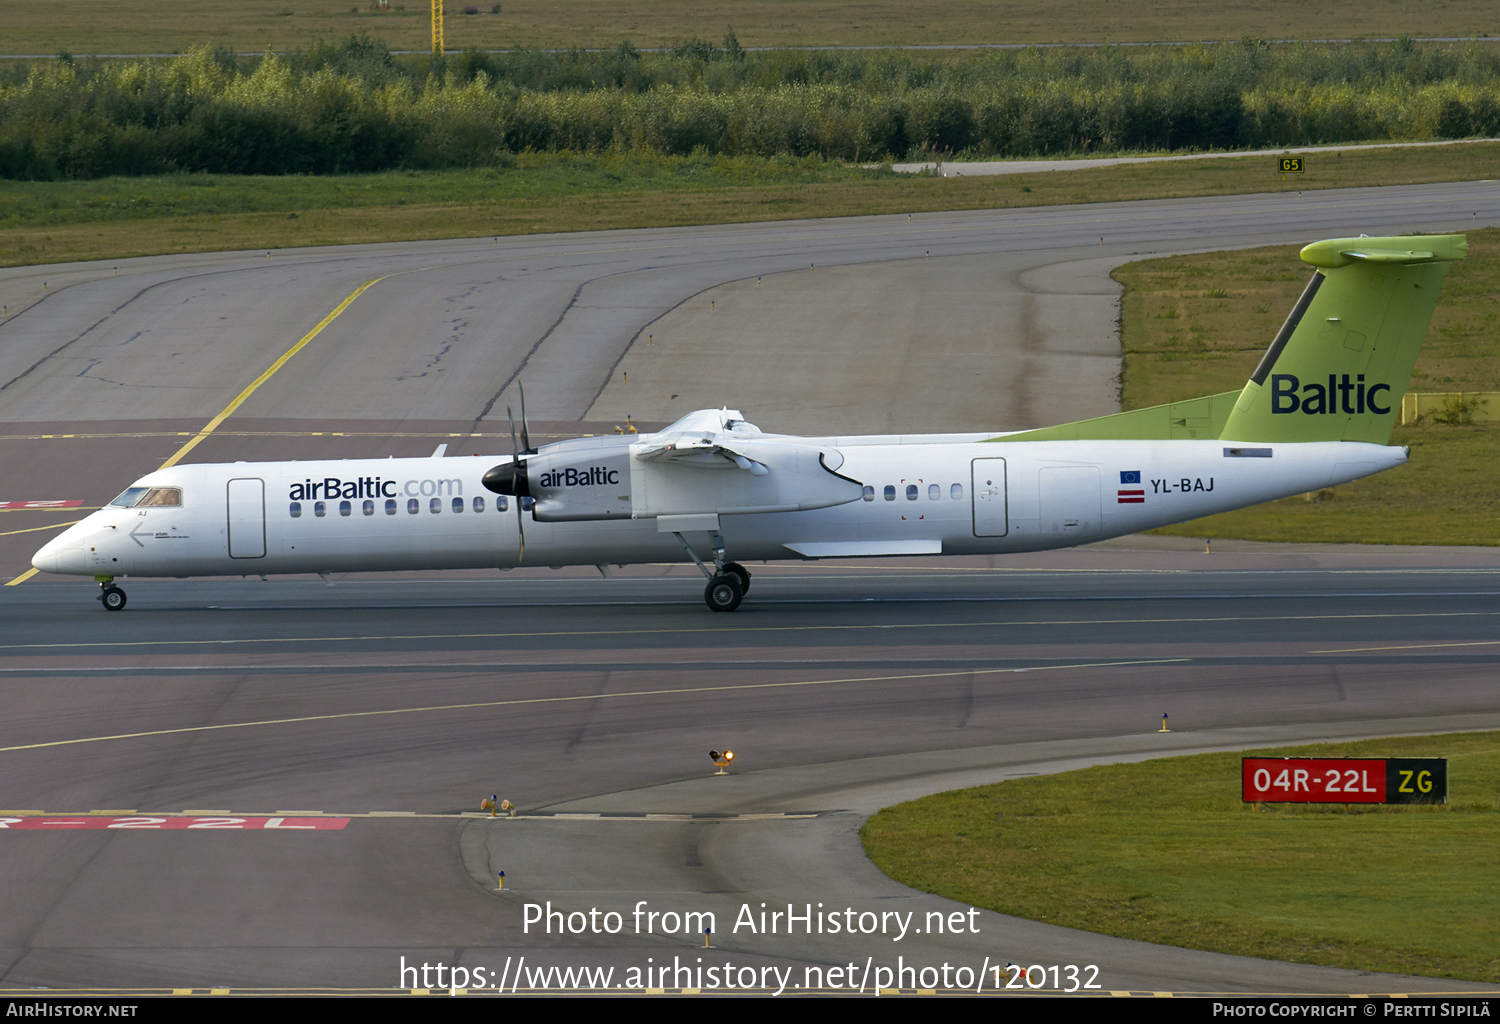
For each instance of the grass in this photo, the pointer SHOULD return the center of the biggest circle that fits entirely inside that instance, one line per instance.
(50, 222)
(1163, 851)
(141, 26)
(1197, 325)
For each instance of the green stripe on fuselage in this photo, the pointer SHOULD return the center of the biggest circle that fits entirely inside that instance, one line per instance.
(1202, 418)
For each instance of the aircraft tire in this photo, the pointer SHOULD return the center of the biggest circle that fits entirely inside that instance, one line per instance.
(723, 593)
(113, 599)
(740, 571)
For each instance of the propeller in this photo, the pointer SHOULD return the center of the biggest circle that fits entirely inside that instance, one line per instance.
(525, 428)
(510, 478)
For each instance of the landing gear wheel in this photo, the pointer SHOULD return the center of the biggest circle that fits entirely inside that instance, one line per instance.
(736, 569)
(113, 598)
(724, 593)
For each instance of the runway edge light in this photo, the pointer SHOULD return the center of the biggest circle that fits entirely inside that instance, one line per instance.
(722, 761)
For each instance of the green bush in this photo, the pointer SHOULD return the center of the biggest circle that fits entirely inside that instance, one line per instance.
(354, 107)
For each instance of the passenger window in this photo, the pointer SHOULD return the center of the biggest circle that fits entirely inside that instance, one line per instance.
(369, 507)
(167, 496)
(869, 493)
(478, 504)
(345, 508)
(957, 490)
(296, 510)
(390, 506)
(911, 492)
(413, 507)
(934, 492)
(890, 493)
(319, 509)
(435, 505)
(528, 503)
(502, 504)
(458, 504)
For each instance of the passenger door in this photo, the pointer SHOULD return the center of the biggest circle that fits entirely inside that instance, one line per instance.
(247, 518)
(990, 515)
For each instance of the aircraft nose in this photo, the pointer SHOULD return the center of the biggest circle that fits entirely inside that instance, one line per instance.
(66, 554)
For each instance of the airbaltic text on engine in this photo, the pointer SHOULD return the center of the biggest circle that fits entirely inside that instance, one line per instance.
(593, 476)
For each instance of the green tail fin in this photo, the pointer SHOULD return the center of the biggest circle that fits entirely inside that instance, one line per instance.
(1340, 364)
(1336, 370)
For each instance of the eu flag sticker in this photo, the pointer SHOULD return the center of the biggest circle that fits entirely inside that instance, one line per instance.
(1130, 476)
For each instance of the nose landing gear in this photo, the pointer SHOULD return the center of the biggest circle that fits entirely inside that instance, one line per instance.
(727, 583)
(111, 596)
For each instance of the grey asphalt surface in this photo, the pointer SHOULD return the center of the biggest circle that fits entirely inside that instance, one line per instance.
(174, 338)
(843, 687)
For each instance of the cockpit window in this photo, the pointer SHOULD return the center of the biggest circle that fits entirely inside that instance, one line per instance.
(170, 497)
(130, 496)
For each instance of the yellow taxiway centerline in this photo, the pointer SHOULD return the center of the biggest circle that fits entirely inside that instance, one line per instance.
(240, 399)
(33, 529)
(254, 385)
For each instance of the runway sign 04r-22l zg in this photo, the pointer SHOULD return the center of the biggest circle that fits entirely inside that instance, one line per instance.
(1344, 780)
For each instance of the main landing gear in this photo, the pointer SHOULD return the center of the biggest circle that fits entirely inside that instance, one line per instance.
(111, 596)
(727, 582)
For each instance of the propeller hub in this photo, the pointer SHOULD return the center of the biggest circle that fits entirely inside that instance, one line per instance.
(508, 478)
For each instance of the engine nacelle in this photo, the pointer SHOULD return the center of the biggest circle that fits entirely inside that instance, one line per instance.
(580, 485)
(686, 477)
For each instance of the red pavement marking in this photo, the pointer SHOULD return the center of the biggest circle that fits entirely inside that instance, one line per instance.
(70, 503)
(54, 822)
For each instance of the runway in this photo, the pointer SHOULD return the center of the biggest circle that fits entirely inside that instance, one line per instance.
(397, 702)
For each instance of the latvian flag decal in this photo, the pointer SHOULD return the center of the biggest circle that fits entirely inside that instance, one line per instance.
(1131, 492)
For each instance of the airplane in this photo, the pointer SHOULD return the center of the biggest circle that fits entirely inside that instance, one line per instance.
(1317, 411)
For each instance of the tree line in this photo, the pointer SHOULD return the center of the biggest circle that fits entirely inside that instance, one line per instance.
(355, 107)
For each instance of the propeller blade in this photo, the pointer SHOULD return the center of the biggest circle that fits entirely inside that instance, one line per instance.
(517, 480)
(525, 427)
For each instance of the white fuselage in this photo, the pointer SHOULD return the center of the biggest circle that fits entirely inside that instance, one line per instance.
(924, 494)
